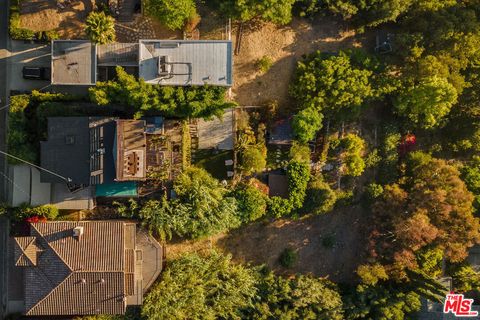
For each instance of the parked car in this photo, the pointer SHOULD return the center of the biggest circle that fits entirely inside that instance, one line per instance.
(36, 73)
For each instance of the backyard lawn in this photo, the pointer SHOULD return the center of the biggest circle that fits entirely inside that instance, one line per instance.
(213, 161)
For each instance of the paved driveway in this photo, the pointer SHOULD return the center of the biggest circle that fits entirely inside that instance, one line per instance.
(3, 265)
(26, 53)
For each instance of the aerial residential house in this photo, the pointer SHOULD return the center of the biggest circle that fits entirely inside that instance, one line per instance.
(164, 62)
(94, 155)
(81, 268)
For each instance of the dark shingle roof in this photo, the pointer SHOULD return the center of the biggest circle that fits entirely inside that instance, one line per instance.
(90, 274)
(79, 148)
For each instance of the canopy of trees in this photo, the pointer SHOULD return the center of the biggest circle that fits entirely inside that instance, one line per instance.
(140, 98)
(432, 208)
(331, 83)
(212, 287)
(279, 12)
(428, 102)
(194, 287)
(173, 13)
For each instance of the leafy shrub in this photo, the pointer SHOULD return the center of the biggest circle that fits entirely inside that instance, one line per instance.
(18, 140)
(279, 207)
(300, 152)
(306, 124)
(288, 258)
(320, 197)
(353, 149)
(298, 174)
(373, 192)
(253, 159)
(252, 203)
(100, 28)
(264, 64)
(23, 212)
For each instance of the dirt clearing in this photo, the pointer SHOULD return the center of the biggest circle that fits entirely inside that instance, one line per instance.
(285, 45)
(330, 245)
(41, 15)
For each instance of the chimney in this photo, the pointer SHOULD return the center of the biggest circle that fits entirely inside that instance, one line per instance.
(78, 231)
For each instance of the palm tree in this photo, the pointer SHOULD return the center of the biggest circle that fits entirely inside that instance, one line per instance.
(100, 28)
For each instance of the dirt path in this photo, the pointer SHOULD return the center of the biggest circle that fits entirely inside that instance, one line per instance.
(285, 45)
(261, 243)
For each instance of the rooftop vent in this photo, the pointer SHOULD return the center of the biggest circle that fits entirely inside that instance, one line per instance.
(77, 231)
(70, 140)
(164, 67)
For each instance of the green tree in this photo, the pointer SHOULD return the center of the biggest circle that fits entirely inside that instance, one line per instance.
(353, 148)
(427, 103)
(140, 98)
(253, 159)
(204, 208)
(100, 28)
(300, 152)
(320, 197)
(371, 273)
(156, 216)
(465, 278)
(278, 12)
(252, 203)
(306, 123)
(301, 297)
(432, 210)
(298, 174)
(173, 13)
(201, 287)
(383, 302)
(430, 261)
(331, 83)
(369, 12)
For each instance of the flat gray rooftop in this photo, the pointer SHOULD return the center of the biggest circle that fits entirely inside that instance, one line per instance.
(183, 63)
(73, 62)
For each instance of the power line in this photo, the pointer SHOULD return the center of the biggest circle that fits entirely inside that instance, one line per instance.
(68, 180)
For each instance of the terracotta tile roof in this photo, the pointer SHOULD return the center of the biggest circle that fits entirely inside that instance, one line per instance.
(100, 248)
(25, 251)
(90, 274)
(85, 293)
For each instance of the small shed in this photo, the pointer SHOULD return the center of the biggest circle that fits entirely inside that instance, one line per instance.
(278, 184)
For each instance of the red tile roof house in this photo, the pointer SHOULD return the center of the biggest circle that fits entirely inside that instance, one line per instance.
(84, 268)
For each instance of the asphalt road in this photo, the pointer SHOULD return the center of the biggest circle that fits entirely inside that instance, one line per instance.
(4, 53)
